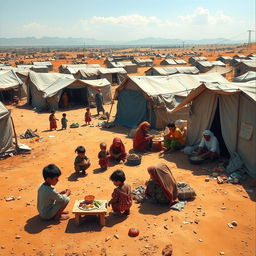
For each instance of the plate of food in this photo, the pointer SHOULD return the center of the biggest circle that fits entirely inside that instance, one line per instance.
(157, 139)
(89, 206)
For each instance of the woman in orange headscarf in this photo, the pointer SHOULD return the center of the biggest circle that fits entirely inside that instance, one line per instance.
(142, 140)
(161, 187)
(117, 150)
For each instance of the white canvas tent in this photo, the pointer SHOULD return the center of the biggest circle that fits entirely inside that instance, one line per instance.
(152, 98)
(166, 71)
(6, 131)
(10, 86)
(235, 103)
(45, 90)
(249, 76)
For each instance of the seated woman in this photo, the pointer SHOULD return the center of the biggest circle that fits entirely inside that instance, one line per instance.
(117, 150)
(161, 187)
(209, 146)
(174, 139)
(142, 140)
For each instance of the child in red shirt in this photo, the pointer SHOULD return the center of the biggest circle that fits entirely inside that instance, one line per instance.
(88, 118)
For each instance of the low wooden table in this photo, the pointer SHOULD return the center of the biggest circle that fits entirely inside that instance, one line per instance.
(101, 212)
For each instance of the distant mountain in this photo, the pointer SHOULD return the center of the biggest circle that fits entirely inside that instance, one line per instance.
(80, 42)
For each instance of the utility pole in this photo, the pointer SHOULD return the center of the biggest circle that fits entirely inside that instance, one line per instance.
(249, 38)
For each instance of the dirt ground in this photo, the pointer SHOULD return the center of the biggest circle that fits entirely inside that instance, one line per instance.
(23, 233)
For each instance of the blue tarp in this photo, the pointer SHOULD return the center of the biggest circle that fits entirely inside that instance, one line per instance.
(131, 108)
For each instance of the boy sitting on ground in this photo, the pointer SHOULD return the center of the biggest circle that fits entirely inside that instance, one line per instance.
(50, 203)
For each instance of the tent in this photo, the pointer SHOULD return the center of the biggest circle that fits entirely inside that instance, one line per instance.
(113, 75)
(45, 90)
(205, 66)
(127, 65)
(249, 76)
(73, 68)
(6, 134)
(166, 71)
(244, 66)
(152, 98)
(228, 110)
(168, 62)
(10, 86)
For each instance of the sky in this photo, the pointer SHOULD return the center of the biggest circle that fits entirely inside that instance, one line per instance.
(128, 20)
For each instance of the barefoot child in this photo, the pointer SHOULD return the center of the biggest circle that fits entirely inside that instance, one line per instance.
(121, 201)
(53, 121)
(50, 203)
(88, 118)
(82, 162)
(64, 121)
(103, 156)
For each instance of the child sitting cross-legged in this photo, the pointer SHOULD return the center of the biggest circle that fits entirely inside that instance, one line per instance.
(121, 201)
(50, 203)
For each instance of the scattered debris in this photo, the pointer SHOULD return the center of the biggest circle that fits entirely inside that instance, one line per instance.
(17, 237)
(200, 240)
(167, 251)
(10, 198)
(28, 134)
(116, 236)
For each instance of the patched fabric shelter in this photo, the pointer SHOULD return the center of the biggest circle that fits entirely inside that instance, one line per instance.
(166, 71)
(45, 90)
(6, 134)
(11, 85)
(152, 98)
(228, 110)
(249, 76)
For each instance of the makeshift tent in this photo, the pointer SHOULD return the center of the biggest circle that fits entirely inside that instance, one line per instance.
(166, 71)
(221, 70)
(224, 59)
(127, 65)
(235, 106)
(6, 134)
(73, 68)
(143, 62)
(152, 98)
(168, 62)
(10, 86)
(249, 76)
(45, 90)
(244, 66)
(194, 59)
(205, 66)
(113, 75)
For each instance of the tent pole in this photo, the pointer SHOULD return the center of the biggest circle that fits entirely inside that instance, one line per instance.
(112, 103)
(237, 124)
(15, 135)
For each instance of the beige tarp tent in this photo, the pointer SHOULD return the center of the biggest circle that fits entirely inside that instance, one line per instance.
(6, 131)
(10, 85)
(237, 108)
(45, 90)
(152, 98)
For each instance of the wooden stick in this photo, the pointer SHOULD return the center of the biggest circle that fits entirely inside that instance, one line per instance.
(110, 110)
(15, 135)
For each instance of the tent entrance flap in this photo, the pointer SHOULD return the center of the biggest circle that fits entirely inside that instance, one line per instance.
(131, 108)
(76, 96)
(114, 78)
(7, 95)
(216, 129)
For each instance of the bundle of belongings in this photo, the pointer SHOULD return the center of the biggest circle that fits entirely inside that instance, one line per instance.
(28, 134)
(185, 192)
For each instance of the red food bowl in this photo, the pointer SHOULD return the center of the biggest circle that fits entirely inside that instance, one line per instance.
(89, 199)
(133, 232)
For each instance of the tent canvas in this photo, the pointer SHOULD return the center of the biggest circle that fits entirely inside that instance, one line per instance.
(249, 76)
(6, 134)
(10, 86)
(162, 94)
(237, 108)
(45, 90)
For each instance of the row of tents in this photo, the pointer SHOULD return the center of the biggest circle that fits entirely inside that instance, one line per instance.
(206, 101)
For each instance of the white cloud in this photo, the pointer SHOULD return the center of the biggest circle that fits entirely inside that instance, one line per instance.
(202, 16)
(201, 23)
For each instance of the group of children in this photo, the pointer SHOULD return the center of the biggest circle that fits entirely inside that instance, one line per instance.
(116, 153)
(51, 204)
(53, 120)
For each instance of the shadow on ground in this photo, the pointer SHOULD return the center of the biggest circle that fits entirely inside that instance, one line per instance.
(36, 225)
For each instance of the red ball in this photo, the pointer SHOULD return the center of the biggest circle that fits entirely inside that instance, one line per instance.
(133, 232)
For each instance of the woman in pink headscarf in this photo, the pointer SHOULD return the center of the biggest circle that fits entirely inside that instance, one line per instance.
(161, 187)
(117, 150)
